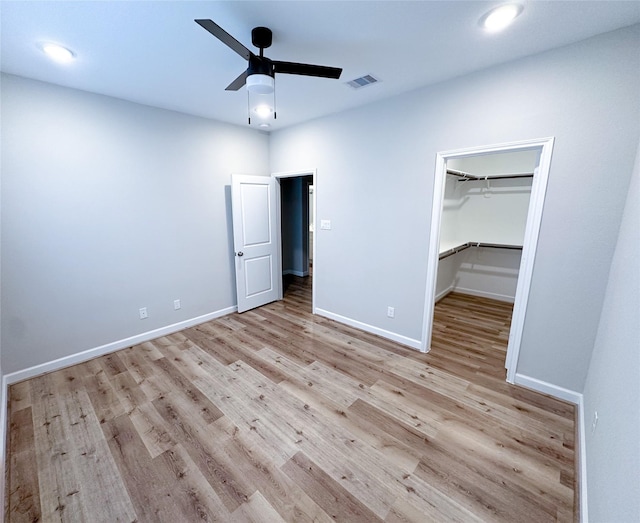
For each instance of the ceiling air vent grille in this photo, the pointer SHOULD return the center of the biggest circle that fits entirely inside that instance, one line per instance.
(363, 81)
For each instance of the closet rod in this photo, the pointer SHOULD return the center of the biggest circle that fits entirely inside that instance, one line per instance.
(496, 245)
(454, 250)
(473, 177)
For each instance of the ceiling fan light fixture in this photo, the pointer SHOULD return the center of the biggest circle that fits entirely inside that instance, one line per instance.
(260, 83)
(263, 110)
(500, 17)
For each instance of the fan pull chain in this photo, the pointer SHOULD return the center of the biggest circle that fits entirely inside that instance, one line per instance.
(248, 107)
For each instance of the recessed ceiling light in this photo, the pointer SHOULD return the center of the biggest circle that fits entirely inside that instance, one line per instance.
(264, 125)
(57, 52)
(500, 17)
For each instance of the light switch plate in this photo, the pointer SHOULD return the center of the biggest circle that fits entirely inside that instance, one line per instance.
(325, 225)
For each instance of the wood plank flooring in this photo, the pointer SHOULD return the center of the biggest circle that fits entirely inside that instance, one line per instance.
(278, 415)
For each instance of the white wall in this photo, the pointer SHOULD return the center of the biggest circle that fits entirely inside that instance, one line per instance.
(493, 214)
(479, 271)
(375, 168)
(446, 278)
(492, 211)
(613, 381)
(450, 234)
(477, 212)
(109, 206)
(491, 273)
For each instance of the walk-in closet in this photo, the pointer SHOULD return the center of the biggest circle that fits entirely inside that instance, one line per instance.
(482, 230)
(484, 216)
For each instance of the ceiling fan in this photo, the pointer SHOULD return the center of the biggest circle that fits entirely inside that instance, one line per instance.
(261, 70)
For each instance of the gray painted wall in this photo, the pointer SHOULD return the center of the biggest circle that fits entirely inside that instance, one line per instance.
(109, 206)
(613, 382)
(375, 168)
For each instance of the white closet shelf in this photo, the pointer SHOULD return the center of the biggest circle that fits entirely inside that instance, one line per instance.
(461, 247)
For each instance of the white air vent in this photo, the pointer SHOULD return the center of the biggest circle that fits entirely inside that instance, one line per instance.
(367, 79)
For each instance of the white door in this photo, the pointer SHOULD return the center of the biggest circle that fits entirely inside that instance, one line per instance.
(255, 240)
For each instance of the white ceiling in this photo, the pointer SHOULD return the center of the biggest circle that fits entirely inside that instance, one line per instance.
(152, 52)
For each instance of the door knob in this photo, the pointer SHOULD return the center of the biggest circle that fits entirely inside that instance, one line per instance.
(240, 253)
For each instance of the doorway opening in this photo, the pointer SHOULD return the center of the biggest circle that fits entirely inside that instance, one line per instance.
(486, 216)
(296, 213)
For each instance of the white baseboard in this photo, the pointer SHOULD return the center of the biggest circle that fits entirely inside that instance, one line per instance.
(404, 340)
(3, 436)
(442, 294)
(581, 446)
(86, 355)
(548, 388)
(582, 463)
(484, 294)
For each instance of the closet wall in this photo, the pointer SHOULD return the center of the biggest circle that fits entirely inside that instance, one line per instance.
(484, 211)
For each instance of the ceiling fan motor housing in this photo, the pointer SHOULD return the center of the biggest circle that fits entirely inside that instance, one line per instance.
(260, 65)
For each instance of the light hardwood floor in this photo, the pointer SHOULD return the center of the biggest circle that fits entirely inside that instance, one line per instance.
(279, 415)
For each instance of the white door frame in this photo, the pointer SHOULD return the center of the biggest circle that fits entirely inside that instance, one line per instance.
(532, 230)
(295, 174)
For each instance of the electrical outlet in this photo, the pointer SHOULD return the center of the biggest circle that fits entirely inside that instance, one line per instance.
(391, 312)
(143, 313)
(176, 305)
(595, 421)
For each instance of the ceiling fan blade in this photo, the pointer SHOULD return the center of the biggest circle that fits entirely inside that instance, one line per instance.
(237, 83)
(225, 37)
(307, 69)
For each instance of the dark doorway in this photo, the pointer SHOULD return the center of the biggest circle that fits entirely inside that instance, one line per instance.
(296, 235)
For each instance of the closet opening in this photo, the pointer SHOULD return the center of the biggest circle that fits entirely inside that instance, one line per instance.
(486, 216)
(296, 216)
